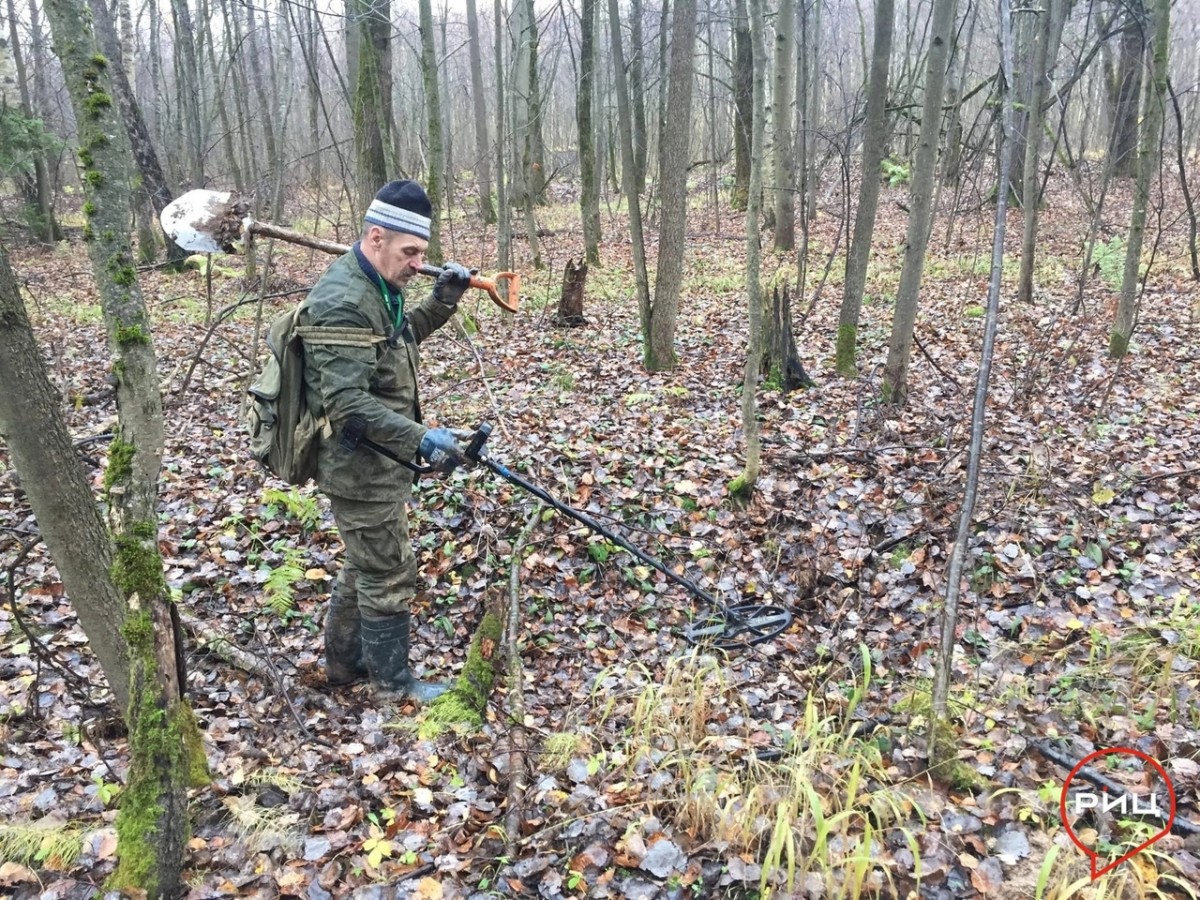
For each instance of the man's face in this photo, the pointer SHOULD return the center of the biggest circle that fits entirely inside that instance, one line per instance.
(395, 256)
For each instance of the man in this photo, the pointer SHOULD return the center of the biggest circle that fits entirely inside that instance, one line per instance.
(367, 373)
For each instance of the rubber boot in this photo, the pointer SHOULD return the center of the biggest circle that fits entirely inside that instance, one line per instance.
(343, 636)
(385, 644)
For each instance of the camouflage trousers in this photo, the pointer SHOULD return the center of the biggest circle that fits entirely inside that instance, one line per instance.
(379, 566)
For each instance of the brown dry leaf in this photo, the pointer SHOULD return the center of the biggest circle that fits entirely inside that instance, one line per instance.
(11, 873)
(428, 889)
(988, 876)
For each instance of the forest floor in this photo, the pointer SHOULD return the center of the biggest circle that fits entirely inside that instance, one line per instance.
(655, 771)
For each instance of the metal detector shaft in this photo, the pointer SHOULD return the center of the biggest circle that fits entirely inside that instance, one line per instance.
(595, 526)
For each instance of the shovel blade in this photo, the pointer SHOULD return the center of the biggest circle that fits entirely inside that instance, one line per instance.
(203, 221)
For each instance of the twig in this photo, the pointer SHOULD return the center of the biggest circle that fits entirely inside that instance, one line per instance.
(281, 687)
(1180, 826)
(941, 371)
(517, 769)
(40, 650)
(483, 377)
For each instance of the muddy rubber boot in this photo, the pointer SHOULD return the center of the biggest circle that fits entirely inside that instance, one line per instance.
(343, 637)
(385, 651)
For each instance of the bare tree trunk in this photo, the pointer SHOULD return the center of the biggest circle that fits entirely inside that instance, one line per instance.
(741, 489)
(1147, 166)
(433, 119)
(44, 224)
(874, 143)
(164, 741)
(784, 193)
(637, 94)
(1189, 204)
(188, 90)
(743, 102)
(589, 195)
(1045, 44)
(483, 143)
(674, 160)
(895, 377)
(504, 225)
(32, 427)
(537, 144)
(1125, 87)
(239, 88)
(372, 83)
(942, 745)
(628, 169)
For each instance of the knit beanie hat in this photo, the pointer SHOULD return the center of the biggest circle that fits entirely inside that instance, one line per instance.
(401, 206)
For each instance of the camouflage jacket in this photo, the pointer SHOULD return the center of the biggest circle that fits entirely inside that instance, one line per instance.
(377, 383)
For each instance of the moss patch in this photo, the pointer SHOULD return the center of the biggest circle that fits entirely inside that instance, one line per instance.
(944, 763)
(465, 702)
(137, 570)
(847, 339)
(120, 463)
(1118, 345)
(131, 334)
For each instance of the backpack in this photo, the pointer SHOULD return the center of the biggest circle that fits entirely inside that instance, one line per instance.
(284, 431)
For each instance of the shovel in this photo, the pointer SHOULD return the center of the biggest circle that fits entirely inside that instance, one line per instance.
(211, 221)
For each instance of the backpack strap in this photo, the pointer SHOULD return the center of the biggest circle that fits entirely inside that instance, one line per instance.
(338, 337)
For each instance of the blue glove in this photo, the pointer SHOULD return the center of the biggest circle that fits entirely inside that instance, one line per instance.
(451, 283)
(441, 450)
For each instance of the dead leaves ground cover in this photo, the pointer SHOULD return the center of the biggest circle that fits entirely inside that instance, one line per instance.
(651, 777)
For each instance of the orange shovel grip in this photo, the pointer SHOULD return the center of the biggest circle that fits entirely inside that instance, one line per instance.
(511, 300)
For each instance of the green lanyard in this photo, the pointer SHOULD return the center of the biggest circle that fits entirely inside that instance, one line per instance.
(394, 303)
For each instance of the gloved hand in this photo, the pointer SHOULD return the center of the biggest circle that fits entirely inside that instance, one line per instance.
(451, 283)
(441, 450)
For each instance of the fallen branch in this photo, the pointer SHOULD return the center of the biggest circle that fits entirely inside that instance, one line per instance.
(1180, 826)
(518, 770)
(216, 643)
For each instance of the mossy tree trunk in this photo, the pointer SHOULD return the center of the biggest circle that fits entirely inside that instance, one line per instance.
(781, 363)
(1146, 168)
(165, 750)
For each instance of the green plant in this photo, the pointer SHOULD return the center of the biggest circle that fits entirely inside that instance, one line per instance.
(895, 171)
(303, 508)
(1108, 261)
(46, 842)
(279, 590)
(106, 791)
(821, 808)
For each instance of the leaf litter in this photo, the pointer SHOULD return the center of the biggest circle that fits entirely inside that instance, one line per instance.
(1080, 620)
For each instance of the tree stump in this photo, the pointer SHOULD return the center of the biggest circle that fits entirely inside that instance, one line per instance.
(781, 362)
(570, 302)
